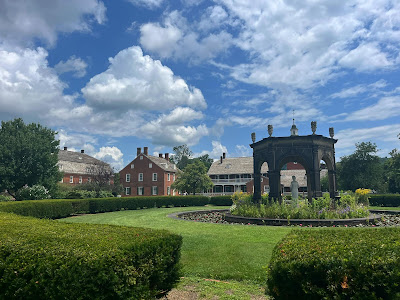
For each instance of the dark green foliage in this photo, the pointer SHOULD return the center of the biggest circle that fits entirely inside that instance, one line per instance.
(362, 169)
(392, 171)
(194, 179)
(345, 263)
(392, 200)
(28, 155)
(44, 259)
(53, 209)
(221, 200)
(183, 155)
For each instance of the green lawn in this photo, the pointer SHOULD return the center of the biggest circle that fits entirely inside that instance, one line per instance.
(384, 208)
(217, 251)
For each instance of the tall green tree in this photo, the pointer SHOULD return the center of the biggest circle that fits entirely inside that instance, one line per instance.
(206, 160)
(193, 179)
(362, 169)
(28, 155)
(182, 156)
(392, 171)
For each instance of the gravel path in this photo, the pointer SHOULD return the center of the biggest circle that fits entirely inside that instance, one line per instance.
(217, 217)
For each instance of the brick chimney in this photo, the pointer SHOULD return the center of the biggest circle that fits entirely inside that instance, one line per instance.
(221, 159)
(167, 156)
(65, 148)
(139, 150)
(160, 155)
(82, 151)
(223, 155)
(146, 150)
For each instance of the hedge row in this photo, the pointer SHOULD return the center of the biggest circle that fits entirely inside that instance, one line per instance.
(348, 263)
(44, 259)
(57, 208)
(221, 200)
(390, 200)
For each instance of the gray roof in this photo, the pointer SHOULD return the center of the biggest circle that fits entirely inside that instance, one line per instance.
(77, 157)
(235, 165)
(163, 163)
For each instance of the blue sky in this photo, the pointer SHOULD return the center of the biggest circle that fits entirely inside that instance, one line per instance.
(111, 76)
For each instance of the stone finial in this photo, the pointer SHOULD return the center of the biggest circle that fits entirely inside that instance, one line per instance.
(331, 132)
(313, 127)
(253, 136)
(270, 130)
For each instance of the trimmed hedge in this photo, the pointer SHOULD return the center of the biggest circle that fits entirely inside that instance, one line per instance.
(390, 200)
(44, 259)
(346, 263)
(61, 208)
(221, 200)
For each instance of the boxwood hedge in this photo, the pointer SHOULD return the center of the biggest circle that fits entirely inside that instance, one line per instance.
(61, 208)
(45, 259)
(221, 200)
(391, 200)
(345, 263)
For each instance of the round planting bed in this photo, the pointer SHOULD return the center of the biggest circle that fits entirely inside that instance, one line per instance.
(228, 218)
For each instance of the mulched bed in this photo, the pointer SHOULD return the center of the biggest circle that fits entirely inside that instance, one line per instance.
(218, 217)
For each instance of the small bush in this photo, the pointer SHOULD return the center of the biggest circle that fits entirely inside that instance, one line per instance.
(44, 259)
(390, 200)
(36, 192)
(4, 198)
(221, 200)
(346, 263)
(61, 208)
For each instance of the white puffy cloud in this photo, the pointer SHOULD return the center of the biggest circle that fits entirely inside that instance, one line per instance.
(167, 130)
(360, 89)
(385, 108)
(305, 44)
(73, 64)
(136, 81)
(216, 152)
(21, 21)
(176, 38)
(28, 84)
(111, 155)
(151, 4)
(243, 151)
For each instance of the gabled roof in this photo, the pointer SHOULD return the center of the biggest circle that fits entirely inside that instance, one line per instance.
(77, 157)
(163, 163)
(235, 165)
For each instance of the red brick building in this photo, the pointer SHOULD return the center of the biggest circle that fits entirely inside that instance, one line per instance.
(79, 168)
(148, 175)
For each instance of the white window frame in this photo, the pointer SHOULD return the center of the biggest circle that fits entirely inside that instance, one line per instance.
(173, 178)
(132, 166)
(127, 177)
(150, 165)
(154, 190)
(140, 191)
(71, 179)
(140, 177)
(126, 191)
(62, 180)
(154, 177)
(80, 179)
(141, 157)
(168, 190)
(169, 177)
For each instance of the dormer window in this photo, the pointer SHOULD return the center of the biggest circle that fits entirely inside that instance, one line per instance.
(150, 165)
(132, 166)
(141, 157)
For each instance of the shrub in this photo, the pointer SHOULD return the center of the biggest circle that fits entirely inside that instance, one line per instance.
(319, 208)
(44, 259)
(346, 263)
(4, 198)
(221, 200)
(390, 200)
(61, 208)
(36, 192)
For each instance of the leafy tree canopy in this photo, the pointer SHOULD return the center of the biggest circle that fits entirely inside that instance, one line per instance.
(392, 168)
(183, 157)
(362, 169)
(28, 156)
(194, 178)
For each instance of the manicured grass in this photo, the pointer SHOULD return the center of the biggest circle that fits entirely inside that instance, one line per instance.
(217, 251)
(384, 208)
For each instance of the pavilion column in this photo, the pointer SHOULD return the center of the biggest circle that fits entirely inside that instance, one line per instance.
(274, 177)
(332, 183)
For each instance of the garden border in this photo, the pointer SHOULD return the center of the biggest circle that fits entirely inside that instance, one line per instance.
(283, 222)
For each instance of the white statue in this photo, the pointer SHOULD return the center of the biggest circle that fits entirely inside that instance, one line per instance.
(294, 188)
